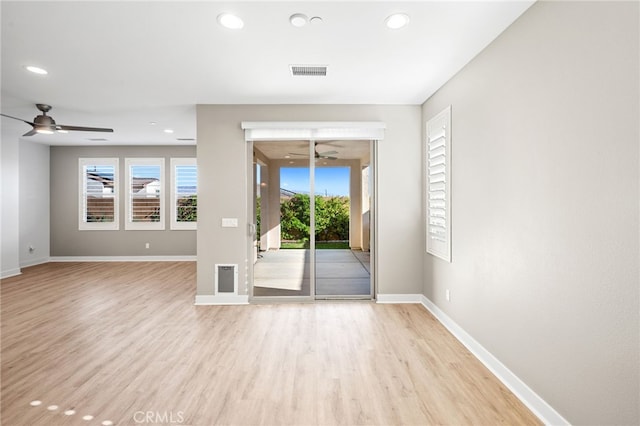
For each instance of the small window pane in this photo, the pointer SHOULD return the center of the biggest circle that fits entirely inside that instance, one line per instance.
(186, 193)
(145, 193)
(99, 193)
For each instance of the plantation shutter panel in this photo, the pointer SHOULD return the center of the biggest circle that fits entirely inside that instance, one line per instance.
(98, 191)
(438, 165)
(184, 193)
(145, 193)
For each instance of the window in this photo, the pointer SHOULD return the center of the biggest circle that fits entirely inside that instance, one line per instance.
(145, 193)
(184, 193)
(98, 203)
(438, 165)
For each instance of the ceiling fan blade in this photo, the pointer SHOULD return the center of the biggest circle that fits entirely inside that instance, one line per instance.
(30, 132)
(83, 129)
(327, 153)
(295, 153)
(16, 118)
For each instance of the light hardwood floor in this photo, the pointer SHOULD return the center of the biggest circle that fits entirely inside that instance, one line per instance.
(119, 340)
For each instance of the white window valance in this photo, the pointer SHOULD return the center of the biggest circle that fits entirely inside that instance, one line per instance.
(313, 130)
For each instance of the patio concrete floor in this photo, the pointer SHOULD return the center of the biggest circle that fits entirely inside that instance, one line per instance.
(339, 272)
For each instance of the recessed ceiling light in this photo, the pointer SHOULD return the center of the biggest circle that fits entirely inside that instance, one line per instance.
(36, 70)
(287, 156)
(298, 19)
(168, 130)
(315, 20)
(152, 123)
(230, 21)
(397, 21)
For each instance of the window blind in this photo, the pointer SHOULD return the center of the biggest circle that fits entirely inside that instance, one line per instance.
(184, 193)
(98, 194)
(438, 165)
(145, 193)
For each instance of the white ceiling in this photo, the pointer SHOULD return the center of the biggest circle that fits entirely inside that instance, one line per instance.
(125, 64)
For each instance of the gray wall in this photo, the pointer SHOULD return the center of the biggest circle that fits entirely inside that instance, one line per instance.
(222, 158)
(34, 202)
(67, 240)
(545, 206)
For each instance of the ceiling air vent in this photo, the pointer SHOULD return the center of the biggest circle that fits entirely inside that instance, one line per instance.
(309, 70)
(97, 139)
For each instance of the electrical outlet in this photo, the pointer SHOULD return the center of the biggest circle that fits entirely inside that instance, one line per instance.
(146, 245)
(447, 294)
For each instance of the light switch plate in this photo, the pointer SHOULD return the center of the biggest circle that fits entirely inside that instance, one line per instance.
(229, 222)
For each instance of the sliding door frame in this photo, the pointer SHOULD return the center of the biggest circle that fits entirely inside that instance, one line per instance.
(312, 132)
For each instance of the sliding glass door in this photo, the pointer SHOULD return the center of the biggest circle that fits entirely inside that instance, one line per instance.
(282, 200)
(342, 256)
(311, 204)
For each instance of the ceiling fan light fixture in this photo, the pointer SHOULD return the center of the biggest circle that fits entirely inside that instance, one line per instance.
(36, 70)
(45, 124)
(397, 21)
(231, 21)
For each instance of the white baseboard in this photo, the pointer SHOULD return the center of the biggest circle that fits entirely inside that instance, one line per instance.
(399, 298)
(10, 273)
(535, 403)
(34, 262)
(221, 299)
(123, 258)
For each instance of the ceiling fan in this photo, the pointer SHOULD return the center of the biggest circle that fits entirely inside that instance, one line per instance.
(326, 155)
(44, 123)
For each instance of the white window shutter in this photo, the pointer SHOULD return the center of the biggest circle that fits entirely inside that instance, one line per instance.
(184, 192)
(98, 194)
(438, 185)
(144, 203)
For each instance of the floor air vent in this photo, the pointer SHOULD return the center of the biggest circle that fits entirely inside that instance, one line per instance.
(309, 70)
